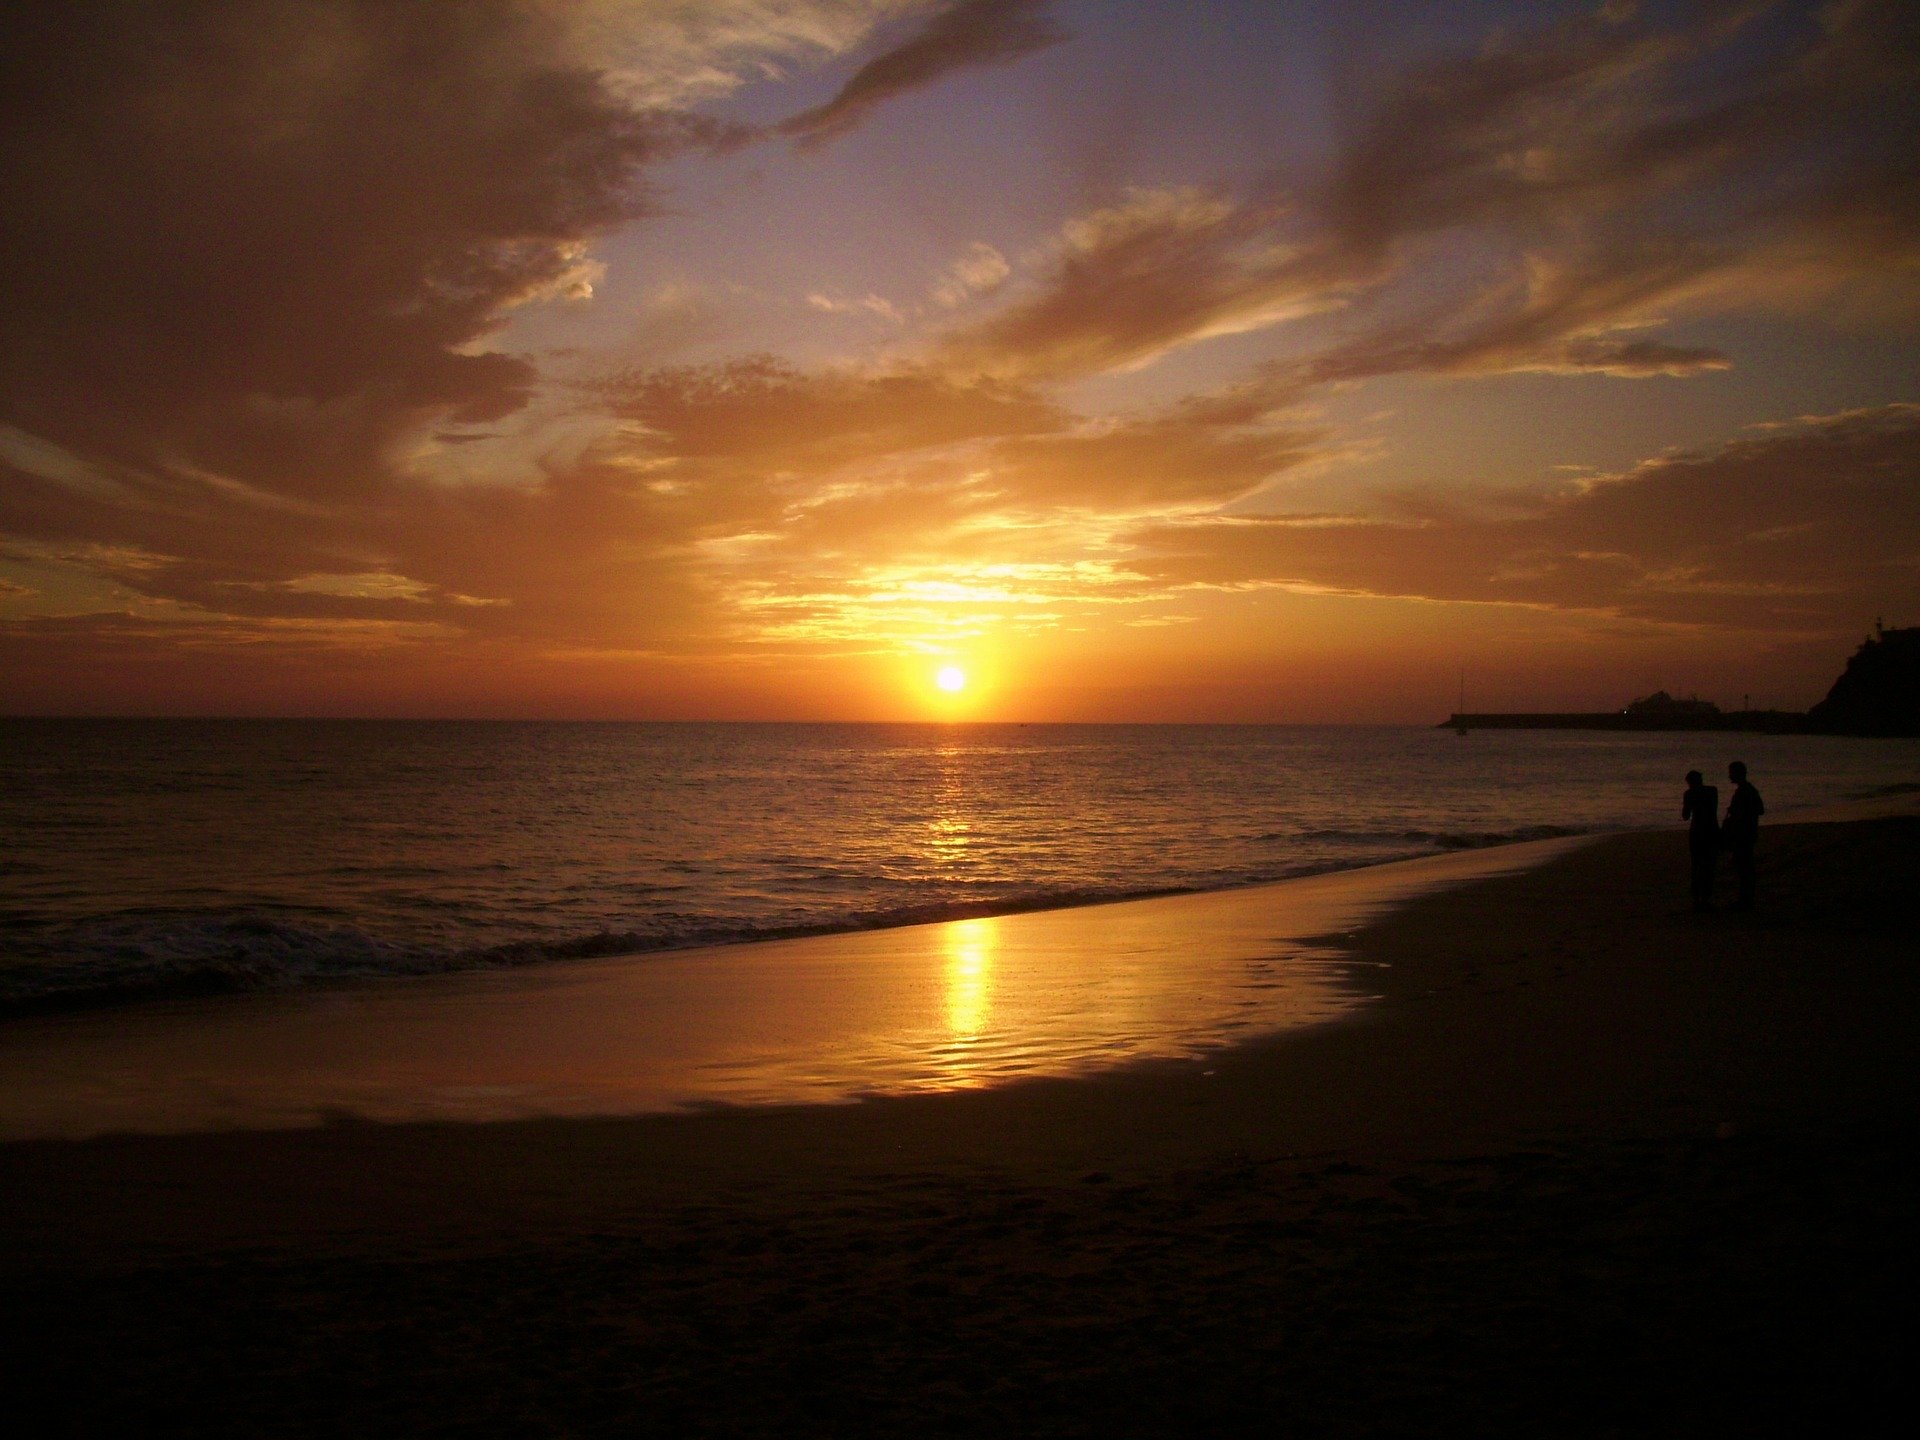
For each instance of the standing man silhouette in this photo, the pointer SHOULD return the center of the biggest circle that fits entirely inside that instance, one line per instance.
(1741, 830)
(1701, 806)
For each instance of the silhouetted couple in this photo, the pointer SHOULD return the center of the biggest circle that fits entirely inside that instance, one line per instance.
(1708, 835)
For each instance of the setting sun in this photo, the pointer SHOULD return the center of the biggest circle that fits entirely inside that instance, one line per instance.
(951, 679)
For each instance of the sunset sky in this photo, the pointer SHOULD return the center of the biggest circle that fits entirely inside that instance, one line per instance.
(1139, 359)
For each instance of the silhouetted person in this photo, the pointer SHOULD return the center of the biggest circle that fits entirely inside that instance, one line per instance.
(1701, 806)
(1741, 830)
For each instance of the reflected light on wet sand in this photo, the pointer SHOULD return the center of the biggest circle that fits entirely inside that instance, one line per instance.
(829, 1018)
(969, 975)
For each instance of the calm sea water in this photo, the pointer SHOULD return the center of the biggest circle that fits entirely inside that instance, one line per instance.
(144, 858)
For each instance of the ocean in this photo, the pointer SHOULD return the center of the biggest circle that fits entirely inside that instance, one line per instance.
(144, 859)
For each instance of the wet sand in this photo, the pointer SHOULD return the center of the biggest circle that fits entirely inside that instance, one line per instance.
(1593, 1164)
(821, 1019)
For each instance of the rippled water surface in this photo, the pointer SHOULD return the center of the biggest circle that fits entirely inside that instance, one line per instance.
(154, 857)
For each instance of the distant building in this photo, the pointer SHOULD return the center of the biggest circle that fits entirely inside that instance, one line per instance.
(1662, 706)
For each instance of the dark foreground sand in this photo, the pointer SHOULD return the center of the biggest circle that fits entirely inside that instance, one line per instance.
(1596, 1166)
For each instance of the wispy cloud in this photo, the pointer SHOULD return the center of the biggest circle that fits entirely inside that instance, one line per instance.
(980, 271)
(1538, 204)
(1122, 285)
(963, 35)
(1800, 529)
(672, 54)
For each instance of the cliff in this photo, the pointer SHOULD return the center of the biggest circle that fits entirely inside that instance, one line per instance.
(1879, 692)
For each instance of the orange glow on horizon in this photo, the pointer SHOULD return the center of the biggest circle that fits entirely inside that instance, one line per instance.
(867, 419)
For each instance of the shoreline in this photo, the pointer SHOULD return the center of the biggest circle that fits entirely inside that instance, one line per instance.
(201, 980)
(1054, 991)
(962, 1004)
(1332, 953)
(1592, 1164)
(204, 980)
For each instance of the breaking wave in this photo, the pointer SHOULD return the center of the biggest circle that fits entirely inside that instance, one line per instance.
(144, 861)
(128, 960)
(174, 955)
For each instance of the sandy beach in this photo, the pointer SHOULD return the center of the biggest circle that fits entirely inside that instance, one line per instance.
(1589, 1164)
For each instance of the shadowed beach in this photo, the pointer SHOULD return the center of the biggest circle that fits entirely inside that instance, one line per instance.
(1593, 1164)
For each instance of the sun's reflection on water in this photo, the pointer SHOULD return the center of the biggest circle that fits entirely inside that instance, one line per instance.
(970, 946)
(948, 840)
